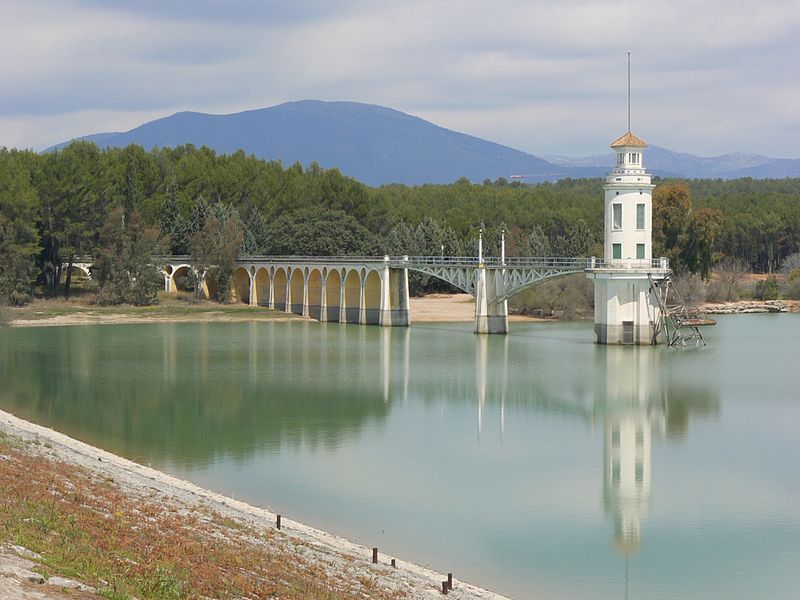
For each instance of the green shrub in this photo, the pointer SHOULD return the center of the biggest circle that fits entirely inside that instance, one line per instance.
(768, 289)
(792, 288)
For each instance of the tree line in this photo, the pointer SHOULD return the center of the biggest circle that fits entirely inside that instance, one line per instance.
(124, 206)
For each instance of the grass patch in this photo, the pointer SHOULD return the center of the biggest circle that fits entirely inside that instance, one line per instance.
(86, 528)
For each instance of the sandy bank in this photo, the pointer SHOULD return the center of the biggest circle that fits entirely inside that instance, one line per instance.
(452, 308)
(340, 557)
(433, 308)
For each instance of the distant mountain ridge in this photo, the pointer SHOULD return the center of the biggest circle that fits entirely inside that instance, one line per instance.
(379, 145)
(661, 161)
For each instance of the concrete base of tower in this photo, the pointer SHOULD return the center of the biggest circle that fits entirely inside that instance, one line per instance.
(626, 310)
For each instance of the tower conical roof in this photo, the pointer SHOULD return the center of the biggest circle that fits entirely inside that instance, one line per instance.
(629, 139)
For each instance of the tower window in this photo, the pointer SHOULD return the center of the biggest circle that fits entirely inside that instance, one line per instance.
(639, 251)
(639, 472)
(640, 216)
(616, 251)
(615, 472)
(616, 213)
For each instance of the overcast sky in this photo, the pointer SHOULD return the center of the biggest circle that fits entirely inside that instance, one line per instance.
(709, 76)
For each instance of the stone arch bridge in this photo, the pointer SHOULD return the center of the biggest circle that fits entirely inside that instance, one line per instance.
(374, 290)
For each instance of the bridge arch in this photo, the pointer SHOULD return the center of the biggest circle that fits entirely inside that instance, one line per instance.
(510, 281)
(333, 295)
(297, 286)
(262, 285)
(372, 298)
(81, 268)
(279, 283)
(315, 294)
(183, 279)
(352, 296)
(517, 283)
(240, 285)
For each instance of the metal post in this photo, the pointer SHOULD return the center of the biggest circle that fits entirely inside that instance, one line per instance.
(503, 246)
(480, 245)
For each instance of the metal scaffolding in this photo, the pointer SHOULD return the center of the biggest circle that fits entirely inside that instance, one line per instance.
(679, 323)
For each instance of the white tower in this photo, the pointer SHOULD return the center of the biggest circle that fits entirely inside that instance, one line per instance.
(626, 310)
(628, 206)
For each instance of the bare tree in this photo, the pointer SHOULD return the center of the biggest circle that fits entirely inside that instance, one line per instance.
(791, 268)
(731, 270)
(791, 264)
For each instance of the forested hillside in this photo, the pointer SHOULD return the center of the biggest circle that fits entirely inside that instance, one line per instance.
(122, 206)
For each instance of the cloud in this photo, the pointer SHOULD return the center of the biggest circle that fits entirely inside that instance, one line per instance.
(545, 77)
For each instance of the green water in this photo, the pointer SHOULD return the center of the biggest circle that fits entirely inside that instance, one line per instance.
(536, 464)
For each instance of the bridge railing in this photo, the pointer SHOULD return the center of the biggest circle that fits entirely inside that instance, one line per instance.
(495, 262)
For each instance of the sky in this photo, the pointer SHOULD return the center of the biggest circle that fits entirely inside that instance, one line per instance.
(548, 78)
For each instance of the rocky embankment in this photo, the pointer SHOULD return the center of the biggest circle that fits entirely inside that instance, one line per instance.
(19, 582)
(119, 523)
(754, 306)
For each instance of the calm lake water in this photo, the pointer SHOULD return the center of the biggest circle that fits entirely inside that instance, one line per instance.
(536, 464)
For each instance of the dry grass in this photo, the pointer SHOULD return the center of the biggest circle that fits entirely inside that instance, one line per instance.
(168, 309)
(85, 528)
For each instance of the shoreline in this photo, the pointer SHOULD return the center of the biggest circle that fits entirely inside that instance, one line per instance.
(340, 556)
(740, 307)
(433, 308)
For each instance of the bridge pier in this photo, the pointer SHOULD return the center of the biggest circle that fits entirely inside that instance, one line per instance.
(323, 302)
(491, 313)
(394, 298)
(253, 288)
(306, 307)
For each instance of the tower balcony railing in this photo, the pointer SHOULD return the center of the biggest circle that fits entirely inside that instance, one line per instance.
(628, 264)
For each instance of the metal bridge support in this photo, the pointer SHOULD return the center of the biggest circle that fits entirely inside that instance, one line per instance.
(491, 313)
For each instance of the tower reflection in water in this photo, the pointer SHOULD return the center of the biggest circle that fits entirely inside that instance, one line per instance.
(632, 404)
(629, 392)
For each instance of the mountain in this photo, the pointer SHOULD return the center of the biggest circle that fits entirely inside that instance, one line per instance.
(374, 144)
(379, 145)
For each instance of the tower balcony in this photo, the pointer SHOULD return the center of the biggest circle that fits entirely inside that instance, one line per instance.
(653, 265)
